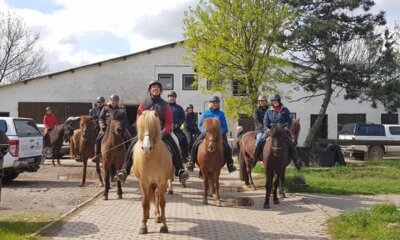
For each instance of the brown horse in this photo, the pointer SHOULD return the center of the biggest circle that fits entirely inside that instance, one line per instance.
(113, 149)
(276, 158)
(153, 167)
(56, 136)
(86, 143)
(74, 144)
(210, 158)
(246, 154)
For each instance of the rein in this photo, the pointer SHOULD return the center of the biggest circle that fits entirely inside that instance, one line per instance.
(109, 150)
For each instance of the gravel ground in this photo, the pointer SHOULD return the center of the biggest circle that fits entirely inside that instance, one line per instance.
(49, 191)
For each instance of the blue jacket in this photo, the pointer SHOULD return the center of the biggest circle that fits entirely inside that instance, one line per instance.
(178, 114)
(214, 113)
(95, 113)
(272, 117)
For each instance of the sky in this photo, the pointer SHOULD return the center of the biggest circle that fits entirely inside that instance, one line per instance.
(79, 32)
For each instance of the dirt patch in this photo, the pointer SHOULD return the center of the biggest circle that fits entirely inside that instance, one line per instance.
(51, 191)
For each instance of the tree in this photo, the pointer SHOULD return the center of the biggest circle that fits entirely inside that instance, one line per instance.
(20, 58)
(324, 38)
(237, 43)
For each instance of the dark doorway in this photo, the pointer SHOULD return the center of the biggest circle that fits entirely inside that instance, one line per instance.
(4, 114)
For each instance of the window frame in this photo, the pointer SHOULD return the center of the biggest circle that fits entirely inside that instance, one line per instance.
(165, 75)
(191, 88)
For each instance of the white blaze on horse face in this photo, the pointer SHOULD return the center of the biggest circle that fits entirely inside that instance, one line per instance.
(146, 144)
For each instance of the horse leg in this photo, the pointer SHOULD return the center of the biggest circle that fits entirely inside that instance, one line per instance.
(216, 188)
(98, 170)
(157, 205)
(281, 182)
(206, 186)
(268, 187)
(161, 193)
(248, 170)
(145, 209)
(58, 150)
(119, 189)
(84, 172)
(107, 183)
(276, 183)
(169, 184)
(53, 150)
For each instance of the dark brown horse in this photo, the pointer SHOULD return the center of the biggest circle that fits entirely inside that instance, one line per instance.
(210, 158)
(113, 149)
(56, 136)
(86, 145)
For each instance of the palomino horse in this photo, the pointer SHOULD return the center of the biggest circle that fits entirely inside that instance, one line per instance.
(113, 149)
(210, 158)
(276, 158)
(56, 136)
(86, 144)
(153, 167)
(247, 149)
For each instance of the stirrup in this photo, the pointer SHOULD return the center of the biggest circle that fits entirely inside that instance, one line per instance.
(190, 166)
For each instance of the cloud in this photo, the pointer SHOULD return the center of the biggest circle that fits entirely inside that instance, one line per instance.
(43, 6)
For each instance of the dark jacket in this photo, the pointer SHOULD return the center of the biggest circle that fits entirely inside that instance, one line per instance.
(105, 115)
(258, 116)
(178, 114)
(165, 113)
(191, 123)
(271, 117)
(95, 113)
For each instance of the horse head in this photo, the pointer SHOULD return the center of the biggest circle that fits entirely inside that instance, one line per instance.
(117, 121)
(148, 129)
(277, 133)
(87, 127)
(295, 130)
(213, 135)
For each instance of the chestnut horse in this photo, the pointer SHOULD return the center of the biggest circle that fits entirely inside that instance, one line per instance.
(210, 158)
(153, 167)
(56, 136)
(86, 144)
(247, 148)
(113, 149)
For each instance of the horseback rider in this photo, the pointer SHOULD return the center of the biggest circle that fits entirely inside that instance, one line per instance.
(155, 102)
(95, 112)
(258, 116)
(49, 121)
(190, 126)
(277, 113)
(213, 112)
(178, 119)
(104, 119)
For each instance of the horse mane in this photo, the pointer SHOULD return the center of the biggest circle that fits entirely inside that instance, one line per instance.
(149, 123)
(213, 125)
(277, 132)
(86, 119)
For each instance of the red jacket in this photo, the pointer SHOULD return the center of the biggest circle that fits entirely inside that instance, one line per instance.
(49, 121)
(168, 119)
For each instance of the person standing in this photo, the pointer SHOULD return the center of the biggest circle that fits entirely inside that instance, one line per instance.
(213, 112)
(155, 102)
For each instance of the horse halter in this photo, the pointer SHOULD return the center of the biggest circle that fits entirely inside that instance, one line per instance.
(211, 144)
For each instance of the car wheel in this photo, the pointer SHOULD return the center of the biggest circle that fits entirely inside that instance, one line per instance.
(9, 176)
(48, 152)
(376, 152)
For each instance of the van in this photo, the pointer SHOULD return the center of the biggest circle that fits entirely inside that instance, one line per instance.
(371, 132)
(25, 146)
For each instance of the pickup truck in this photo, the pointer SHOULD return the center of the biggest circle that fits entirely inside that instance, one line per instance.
(381, 140)
(25, 146)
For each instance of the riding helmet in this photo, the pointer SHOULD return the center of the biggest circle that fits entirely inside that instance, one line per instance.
(114, 97)
(173, 93)
(215, 99)
(48, 109)
(100, 99)
(276, 97)
(155, 83)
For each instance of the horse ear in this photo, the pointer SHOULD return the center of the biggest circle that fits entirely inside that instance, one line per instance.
(139, 112)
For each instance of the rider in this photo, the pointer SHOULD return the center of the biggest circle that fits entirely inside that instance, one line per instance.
(104, 119)
(276, 114)
(178, 119)
(153, 102)
(95, 112)
(190, 126)
(258, 116)
(213, 112)
(49, 121)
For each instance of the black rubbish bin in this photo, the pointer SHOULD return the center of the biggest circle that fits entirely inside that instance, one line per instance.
(330, 155)
(3, 151)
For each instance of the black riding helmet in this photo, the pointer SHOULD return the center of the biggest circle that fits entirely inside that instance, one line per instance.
(276, 97)
(114, 97)
(155, 83)
(215, 99)
(173, 93)
(100, 99)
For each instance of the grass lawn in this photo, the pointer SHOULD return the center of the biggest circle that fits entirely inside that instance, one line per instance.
(18, 226)
(369, 177)
(382, 221)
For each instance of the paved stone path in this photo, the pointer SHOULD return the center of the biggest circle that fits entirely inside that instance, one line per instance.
(299, 216)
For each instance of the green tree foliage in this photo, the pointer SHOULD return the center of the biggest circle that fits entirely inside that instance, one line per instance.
(337, 39)
(20, 58)
(238, 42)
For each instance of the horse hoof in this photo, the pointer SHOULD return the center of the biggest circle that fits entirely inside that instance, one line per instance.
(170, 192)
(105, 198)
(120, 196)
(143, 231)
(266, 205)
(157, 220)
(164, 229)
(205, 201)
(276, 201)
(218, 204)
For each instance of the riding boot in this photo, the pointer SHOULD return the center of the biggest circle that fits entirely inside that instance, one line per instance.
(97, 151)
(176, 158)
(125, 170)
(228, 157)
(193, 153)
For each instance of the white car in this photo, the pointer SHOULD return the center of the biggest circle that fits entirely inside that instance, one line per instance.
(25, 146)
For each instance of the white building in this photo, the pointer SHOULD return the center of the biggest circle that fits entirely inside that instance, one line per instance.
(73, 91)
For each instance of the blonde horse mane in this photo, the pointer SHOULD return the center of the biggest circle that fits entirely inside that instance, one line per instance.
(148, 123)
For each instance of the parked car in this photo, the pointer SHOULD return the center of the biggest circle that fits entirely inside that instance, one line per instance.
(47, 152)
(371, 132)
(25, 146)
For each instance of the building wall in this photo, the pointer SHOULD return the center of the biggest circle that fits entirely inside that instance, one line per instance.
(128, 76)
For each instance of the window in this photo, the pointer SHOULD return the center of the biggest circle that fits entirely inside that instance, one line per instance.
(3, 126)
(389, 118)
(187, 82)
(394, 130)
(293, 115)
(238, 89)
(371, 130)
(167, 81)
(208, 84)
(344, 118)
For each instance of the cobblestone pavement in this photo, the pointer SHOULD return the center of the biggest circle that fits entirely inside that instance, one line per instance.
(299, 216)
